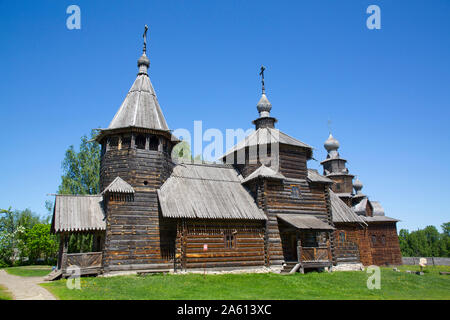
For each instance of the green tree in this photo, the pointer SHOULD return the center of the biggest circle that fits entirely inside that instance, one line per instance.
(13, 223)
(6, 237)
(38, 243)
(81, 170)
(427, 242)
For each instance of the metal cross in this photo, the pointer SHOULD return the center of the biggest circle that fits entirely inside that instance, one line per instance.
(145, 39)
(262, 78)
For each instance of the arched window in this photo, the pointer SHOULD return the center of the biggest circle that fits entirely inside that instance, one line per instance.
(140, 142)
(154, 141)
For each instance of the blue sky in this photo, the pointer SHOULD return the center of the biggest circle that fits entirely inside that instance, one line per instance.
(387, 92)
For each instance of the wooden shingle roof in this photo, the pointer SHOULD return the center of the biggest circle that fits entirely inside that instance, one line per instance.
(267, 136)
(305, 222)
(75, 213)
(140, 107)
(264, 172)
(315, 176)
(118, 185)
(207, 192)
(341, 212)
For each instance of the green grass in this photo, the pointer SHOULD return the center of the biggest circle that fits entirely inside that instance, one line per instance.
(29, 271)
(337, 285)
(4, 294)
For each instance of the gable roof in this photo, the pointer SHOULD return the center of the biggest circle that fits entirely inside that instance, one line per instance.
(207, 192)
(380, 219)
(305, 222)
(267, 136)
(315, 176)
(119, 185)
(264, 172)
(341, 212)
(140, 107)
(78, 213)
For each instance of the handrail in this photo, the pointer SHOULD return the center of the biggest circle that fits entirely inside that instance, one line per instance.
(83, 253)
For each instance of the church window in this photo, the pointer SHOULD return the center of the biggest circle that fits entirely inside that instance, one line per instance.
(295, 192)
(230, 241)
(140, 142)
(154, 141)
(342, 237)
(374, 239)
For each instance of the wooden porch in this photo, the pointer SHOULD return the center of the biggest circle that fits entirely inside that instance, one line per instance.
(79, 263)
(305, 248)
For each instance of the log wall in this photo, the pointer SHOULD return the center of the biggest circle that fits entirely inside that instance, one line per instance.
(246, 248)
(387, 251)
(281, 200)
(136, 235)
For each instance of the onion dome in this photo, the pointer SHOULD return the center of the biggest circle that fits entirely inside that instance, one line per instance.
(357, 185)
(331, 144)
(264, 106)
(143, 64)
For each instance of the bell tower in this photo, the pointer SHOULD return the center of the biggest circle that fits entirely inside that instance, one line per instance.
(135, 162)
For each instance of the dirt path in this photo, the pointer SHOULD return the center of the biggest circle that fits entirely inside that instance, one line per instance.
(25, 288)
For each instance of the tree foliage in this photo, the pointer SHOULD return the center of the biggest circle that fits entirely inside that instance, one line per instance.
(81, 170)
(20, 233)
(427, 242)
(37, 243)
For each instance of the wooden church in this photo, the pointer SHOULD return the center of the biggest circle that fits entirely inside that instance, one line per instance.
(263, 209)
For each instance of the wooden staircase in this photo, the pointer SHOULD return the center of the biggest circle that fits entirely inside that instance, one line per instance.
(54, 275)
(288, 266)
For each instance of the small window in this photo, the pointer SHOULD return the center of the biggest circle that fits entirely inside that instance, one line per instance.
(383, 239)
(154, 141)
(113, 142)
(338, 186)
(230, 241)
(126, 142)
(140, 142)
(342, 237)
(295, 192)
(374, 239)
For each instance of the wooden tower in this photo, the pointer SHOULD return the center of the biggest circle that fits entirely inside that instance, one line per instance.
(136, 147)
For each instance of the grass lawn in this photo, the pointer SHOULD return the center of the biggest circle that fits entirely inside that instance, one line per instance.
(29, 271)
(4, 294)
(337, 285)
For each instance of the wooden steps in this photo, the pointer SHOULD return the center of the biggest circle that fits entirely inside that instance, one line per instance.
(288, 266)
(154, 271)
(54, 275)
